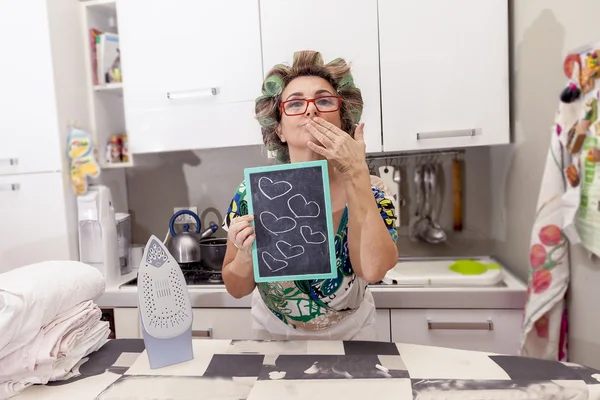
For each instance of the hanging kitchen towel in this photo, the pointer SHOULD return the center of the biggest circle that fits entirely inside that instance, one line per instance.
(544, 334)
(567, 212)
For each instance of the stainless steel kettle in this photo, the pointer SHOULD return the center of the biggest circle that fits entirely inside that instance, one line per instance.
(184, 246)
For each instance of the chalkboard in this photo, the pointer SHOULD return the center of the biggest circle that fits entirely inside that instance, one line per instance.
(292, 221)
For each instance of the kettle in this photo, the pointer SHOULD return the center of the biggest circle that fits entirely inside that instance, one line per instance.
(184, 246)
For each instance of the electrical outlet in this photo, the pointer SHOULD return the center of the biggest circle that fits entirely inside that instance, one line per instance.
(185, 218)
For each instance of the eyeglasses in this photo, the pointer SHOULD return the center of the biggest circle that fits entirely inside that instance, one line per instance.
(299, 106)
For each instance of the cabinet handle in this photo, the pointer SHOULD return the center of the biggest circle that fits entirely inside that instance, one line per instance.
(464, 326)
(10, 187)
(191, 94)
(446, 134)
(9, 161)
(207, 334)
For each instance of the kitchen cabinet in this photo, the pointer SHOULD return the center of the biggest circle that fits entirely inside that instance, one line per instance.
(382, 325)
(28, 120)
(319, 25)
(127, 323)
(444, 73)
(495, 331)
(31, 231)
(219, 323)
(192, 70)
(43, 90)
(208, 323)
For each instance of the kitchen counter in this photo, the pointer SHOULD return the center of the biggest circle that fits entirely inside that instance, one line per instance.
(225, 369)
(509, 294)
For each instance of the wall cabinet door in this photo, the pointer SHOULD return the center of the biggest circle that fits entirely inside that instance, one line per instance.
(28, 119)
(444, 73)
(33, 227)
(336, 28)
(191, 73)
(496, 331)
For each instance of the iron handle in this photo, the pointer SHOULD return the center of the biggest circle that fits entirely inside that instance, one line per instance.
(446, 134)
(9, 187)
(461, 326)
(204, 334)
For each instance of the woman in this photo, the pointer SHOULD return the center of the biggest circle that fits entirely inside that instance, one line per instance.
(310, 111)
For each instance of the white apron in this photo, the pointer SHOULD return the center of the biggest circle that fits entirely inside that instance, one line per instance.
(359, 325)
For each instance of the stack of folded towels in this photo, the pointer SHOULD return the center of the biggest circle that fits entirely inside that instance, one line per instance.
(48, 322)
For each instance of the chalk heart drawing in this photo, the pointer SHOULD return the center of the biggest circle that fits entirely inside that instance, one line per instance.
(273, 190)
(272, 263)
(289, 251)
(276, 225)
(311, 237)
(302, 208)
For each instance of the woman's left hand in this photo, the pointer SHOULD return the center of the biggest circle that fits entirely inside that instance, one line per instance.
(339, 147)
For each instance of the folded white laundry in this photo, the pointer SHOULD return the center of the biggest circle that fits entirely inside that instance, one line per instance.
(55, 350)
(31, 296)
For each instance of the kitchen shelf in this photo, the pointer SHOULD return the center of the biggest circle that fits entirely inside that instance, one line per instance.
(104, 6)
(107, 114)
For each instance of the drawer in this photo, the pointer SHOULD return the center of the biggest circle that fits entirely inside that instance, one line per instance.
(222, 323)
(127, 323)
(208, 323)
(382, 325)
(495, 331)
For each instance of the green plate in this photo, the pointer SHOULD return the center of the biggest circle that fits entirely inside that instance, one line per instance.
(472, 267)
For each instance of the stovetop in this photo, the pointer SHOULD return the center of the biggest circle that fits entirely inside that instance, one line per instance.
(194, 275)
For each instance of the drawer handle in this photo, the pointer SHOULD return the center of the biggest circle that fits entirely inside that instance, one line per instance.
(463, 326)
(205, 334)
(9, 161)
(192, 94)
(10, 187)
(446, 134)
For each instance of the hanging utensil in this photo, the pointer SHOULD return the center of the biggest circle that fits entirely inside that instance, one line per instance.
(414, 223)
(435, 232)
(401, 201)
(457, 195)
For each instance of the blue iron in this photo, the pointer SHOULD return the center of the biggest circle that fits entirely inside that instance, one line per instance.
(165, 308)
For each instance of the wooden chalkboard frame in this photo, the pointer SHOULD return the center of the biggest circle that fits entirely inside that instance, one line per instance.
(332, 273)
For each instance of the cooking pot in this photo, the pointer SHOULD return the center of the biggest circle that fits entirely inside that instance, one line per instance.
(213, 253)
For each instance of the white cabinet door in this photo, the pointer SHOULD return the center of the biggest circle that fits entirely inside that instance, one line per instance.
(444, 73)
(496, 331)
(382, 325)
(222, 323)
(337, 29)
(33, 227)
(28, 120)
(174, 53)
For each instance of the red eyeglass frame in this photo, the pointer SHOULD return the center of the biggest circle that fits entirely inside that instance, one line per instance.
(308, 101)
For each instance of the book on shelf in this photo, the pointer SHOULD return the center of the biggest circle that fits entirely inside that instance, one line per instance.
(106, 57)
(93, 35)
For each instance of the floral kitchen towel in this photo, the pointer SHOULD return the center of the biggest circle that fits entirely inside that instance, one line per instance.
(567, 213)
(544, 322)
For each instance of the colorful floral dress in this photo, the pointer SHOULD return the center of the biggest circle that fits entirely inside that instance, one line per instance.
(315, 305)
